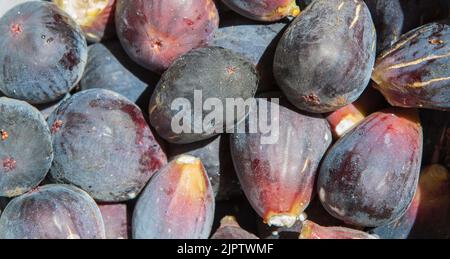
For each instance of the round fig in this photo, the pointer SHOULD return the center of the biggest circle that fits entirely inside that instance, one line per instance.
(42, 52)
(154, 33)
(52, 212)
(370, 176)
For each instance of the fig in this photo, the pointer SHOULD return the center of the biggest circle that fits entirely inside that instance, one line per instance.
(95, 17)
(265, 10)
(277, 171)
(52, 212)
(103, 144)
(370, 176)
(178, 203)
(26, 151)
(415, 71)
(154, 33)
(202, 76)
(324, 60)
(43, 53)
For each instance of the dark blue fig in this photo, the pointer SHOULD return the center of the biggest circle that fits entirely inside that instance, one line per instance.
(43, 53)
(26, 151)
(103, 145)
(325, 58)
(211, 73)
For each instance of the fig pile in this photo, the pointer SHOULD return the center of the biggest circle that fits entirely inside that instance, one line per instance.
(224, 119)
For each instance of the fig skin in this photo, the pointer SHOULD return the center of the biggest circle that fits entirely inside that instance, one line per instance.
(325, 58)
(370, 176)
(415, 72)
(52, 212)
(265, 10)
(178, 203)
(278, 178)
(103, 144)
(155, 33)
(43, 53)
(214, 72)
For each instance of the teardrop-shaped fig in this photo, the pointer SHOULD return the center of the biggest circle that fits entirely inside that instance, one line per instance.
(370, 175)
(325, 58)
(178, 203)
(415, 72)
(278, 176)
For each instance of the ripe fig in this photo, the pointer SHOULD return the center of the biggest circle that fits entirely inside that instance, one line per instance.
(325, 58)
(103, 144)
(109, 67)
(43, 53)
(415, 71)
(26, 151)
(202, 76)
(400, 228)
(52, 212)
(154, 33)
(265, 10)
(178, 203)
(370, 175)
(277, 172)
